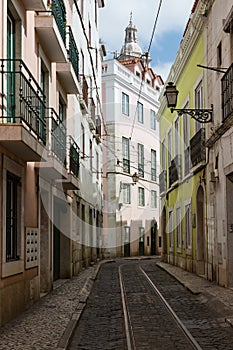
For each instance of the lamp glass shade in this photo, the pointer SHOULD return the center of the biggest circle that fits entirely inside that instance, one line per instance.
(171, 95)
(135, 177)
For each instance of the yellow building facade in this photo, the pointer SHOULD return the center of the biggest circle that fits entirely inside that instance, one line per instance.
(184, 157)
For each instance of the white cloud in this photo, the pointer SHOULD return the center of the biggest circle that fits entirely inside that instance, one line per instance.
(114, 18)
(163, 69)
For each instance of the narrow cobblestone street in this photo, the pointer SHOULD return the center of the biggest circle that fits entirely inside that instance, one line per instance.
(89, 307)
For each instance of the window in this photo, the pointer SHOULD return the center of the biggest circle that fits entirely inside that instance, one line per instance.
(153, 199)
(163, 156)
(91, 156)
(186, 138)
(97, 165)
(83, 140)
(141, 234)
(127, 234)
(177, 136)
(153, 165)
(125, 104)
(169, 146)
(178, 227)
(140, 160)
(12, 217)
(188, 229)
(152, 119)
(126, 193)
(140, 112)
(141, 196)
(62, 109)
(199, 102)
(126, 155)
(171, 229)
(219, 54)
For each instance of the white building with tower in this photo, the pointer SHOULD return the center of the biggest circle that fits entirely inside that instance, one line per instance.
(130, 91)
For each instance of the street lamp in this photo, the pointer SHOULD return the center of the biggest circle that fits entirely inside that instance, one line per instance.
(135, 178)
(201, 115)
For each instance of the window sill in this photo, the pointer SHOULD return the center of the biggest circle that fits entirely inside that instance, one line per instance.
(12, 268)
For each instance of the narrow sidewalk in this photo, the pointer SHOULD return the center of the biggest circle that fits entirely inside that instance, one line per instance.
(49, 322)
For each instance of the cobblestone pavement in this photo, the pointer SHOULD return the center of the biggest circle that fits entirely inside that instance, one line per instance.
(48, 324)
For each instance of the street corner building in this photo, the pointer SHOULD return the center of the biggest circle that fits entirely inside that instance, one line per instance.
(130, 91)
(50, 146)
(196, 180)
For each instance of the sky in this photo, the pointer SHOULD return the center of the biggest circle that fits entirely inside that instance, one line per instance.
(172, 20)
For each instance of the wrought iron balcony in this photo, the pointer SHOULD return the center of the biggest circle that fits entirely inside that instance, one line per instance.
(227, 93)
(57, 137)
(22, 100)
(73, 54)
(59, 12)
(23, 111)
(73, 157)
(163, 181)
(175, 170)
(197, 148)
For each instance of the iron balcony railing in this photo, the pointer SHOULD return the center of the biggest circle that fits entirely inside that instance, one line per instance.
(227, 93)
(163, 181)
(175, 170)
(57, 137)
(73, 53)
(197, 148)
(59, 12)
(22, 100)
(73, 157)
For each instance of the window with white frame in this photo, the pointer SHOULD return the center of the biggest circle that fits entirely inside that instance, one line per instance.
(127, 234)
(199, 102)
(186, 140)
(153, 164)
(171, 242)
(126, 193)
(178, 227)
(141, 196)
(152, 119)
(153, 199)
(188, 227)
(125, 104)
(125, 155)
(177, 136)
(140, 160)
(169, 146)
(140, 112)
(163, 156)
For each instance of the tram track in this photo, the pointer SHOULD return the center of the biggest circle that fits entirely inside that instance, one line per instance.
(152, 293)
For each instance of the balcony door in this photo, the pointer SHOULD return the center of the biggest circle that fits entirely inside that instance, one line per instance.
(10, 68)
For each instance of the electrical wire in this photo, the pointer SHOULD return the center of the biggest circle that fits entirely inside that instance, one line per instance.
(147, 56)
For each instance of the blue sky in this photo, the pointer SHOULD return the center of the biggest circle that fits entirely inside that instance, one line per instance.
(174, 14)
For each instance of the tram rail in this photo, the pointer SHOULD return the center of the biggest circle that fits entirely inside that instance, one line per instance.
(128, 323)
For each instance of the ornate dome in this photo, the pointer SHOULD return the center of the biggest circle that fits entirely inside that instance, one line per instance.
(131, 48)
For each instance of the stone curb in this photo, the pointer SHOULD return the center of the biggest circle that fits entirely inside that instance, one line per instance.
(84, 294)
(189, 286)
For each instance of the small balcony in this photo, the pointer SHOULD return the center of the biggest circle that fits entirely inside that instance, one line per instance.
(227, 94)
(163, 181)
(51, 29)
(175, 170)
(197, 149)
(35, 5)
(23, 112)
(72, 180)
(55, 166)
(68, 72)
